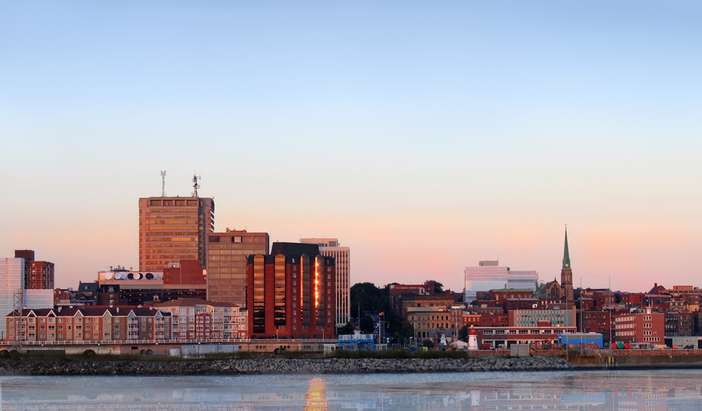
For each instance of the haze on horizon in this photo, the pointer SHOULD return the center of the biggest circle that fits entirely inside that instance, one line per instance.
(425, 138)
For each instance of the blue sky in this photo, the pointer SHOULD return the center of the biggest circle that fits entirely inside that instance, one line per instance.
(425, 136)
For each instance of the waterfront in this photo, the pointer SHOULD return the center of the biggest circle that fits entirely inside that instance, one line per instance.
(597, 390)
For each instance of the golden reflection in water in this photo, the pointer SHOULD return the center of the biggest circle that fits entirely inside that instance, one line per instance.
(316, 396)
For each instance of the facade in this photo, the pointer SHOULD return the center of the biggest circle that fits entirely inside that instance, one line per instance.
(601, 322)
(503, 337)
(643, 327)
(120, 286)
(88, 324)
(40, 275)
(12, 272)
(330, 247)
(531, 318)
(172, 229)
(291, 293)
(433, 322)
(424, 301)
(679, 324)
(226, 264)
(199, 320)
(489, 275)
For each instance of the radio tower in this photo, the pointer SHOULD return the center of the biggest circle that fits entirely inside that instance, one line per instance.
(163, 183)
(196, 184)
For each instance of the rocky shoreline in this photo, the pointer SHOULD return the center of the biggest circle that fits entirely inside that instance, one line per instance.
(103, 366)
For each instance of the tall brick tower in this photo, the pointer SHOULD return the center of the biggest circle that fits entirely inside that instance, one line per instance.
(567, 273)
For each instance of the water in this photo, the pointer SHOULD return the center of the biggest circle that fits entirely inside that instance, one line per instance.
(596, 390)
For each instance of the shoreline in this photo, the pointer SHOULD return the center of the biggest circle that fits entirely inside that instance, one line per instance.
(160, 366)
(272, 366)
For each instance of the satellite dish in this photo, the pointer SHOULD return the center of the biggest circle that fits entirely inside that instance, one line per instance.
(138, 276)
(130, 276)
(149, 276)
(108, 275)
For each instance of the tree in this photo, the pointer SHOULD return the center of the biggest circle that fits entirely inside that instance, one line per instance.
(434, 287)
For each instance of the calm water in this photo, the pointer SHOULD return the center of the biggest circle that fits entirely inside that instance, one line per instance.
(597, 390)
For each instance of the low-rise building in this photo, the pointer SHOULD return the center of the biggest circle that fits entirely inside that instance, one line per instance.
(432, 322)
(546, 317)
(199, 320)
(88, 325)
(640, 327)
(504, 337)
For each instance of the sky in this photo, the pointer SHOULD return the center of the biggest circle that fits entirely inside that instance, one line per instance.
(425, 136)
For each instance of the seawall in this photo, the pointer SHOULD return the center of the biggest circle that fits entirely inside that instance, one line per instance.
(157, 366)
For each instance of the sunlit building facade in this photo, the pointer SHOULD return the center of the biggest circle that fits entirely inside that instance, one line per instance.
(330, 247)
(226, 264)
(291, 293)
(172, 229)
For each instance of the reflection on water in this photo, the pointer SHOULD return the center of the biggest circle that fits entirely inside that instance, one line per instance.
(316, 398)
(596, 390)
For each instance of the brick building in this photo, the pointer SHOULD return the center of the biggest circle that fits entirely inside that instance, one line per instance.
(88, 324)
(679, 324)
(531, 318)
(172, 229)
(291, 293)
(640, 327)
(199, 320)
(226, 263)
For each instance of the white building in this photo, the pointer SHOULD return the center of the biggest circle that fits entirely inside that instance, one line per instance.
(12, 272)
(330, 247)
(489, 275)
(38, 298)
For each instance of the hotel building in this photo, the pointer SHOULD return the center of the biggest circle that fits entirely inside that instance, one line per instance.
(330, 247)
(172, 229)
(226, 264)
(291, 293)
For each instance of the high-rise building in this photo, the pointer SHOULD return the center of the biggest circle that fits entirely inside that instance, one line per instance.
(172, 229)
(226, 264)
(12, 272)
(489, 275)
(567, 274)
(291, 293)
(39, 275)
(330, 247)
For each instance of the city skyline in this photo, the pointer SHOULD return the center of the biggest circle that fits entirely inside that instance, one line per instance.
(456, 284)
(424, 138)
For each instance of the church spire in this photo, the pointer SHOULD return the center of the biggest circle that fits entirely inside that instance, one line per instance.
(566, 252)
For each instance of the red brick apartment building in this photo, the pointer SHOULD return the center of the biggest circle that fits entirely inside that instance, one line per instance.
(643, 327)
(291, 293)
(88, 324)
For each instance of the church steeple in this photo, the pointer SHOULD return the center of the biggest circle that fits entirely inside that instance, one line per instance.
(566, 251)
(567, 273)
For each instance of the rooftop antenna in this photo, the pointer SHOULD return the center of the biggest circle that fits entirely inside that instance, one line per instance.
(196, 184)
(163, 183)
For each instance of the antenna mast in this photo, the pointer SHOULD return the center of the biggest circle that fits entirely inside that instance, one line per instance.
(163, 183)
(196, 184)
